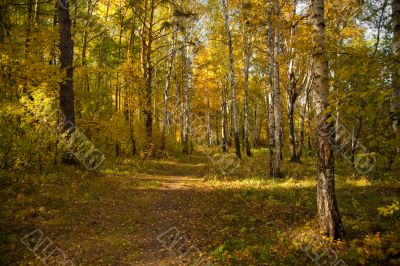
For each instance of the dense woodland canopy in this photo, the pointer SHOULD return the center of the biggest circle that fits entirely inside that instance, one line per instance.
(262, 84)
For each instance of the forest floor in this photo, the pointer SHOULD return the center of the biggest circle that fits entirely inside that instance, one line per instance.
(178, 210)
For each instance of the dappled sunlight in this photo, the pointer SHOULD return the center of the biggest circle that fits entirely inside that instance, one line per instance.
(117, 215)
(361, 182)
(263, 184)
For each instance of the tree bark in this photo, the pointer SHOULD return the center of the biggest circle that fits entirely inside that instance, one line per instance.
(167, 88)
(270, 99)
(187, 89)
(328, 213)
(208, 129)
(224, 121)
(277, 98)
(66, 86)
(308, 87)
(149, 79)
(246, 68)
(232, 80)
(101, 51)
(395, 101)
(292, 92)
(180, 110)
(292, 135)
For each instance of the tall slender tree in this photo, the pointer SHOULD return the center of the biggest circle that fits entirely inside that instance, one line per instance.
(328, 213)
(270, 99)
(66, 86)
(246, 68)
(395, 105)
(232, 79)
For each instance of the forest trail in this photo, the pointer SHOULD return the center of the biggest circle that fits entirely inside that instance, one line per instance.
(178, 182)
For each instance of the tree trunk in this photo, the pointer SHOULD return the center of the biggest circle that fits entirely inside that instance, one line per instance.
(309, 117)
(395, 101)
(292, 134)
(66, 87)
(303, 113)
(101, 51)
(167, 88)
(180, 111)
(232, 80)
(208, 129)
(277, 99)
(246, 55)
(270, 99)
(224, 121)
(147, 41)
(292, 92)
(187, 139)
(216, 128)
(255, 125)
(328, 213)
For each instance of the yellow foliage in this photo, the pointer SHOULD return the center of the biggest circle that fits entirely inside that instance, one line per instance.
(389, 210)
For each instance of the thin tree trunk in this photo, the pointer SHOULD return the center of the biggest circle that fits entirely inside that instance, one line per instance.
(118, 86)
(187, 139)
(328, 213)
(224, 121)
(232, 80)
(167, 88)
(216, 127)
(101, 50)
(270, 99)
(208, 129)
(308, 87)
(179, 104)
(395, 100)
(292, 93)
(148, 74)
(129, 111)
(309, 117)
(277, 99)
(246, 55)
(292, 137)
(255, 125)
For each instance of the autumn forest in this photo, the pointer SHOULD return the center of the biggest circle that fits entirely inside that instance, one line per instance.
(199, 132)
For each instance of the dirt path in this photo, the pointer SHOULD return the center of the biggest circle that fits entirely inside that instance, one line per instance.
(178, 184)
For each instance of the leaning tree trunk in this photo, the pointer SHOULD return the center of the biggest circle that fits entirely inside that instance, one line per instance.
(395, 106)
(232, 79)
(66, 86)
(328, 213)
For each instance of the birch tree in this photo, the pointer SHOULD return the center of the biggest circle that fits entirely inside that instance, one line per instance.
(328, 213)
(246, 68)
(232, 79)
